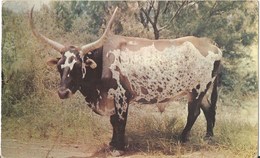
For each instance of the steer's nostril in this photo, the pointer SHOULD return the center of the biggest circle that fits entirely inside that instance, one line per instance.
(64, 93)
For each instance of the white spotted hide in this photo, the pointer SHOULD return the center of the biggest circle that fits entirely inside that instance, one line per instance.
(163, 74)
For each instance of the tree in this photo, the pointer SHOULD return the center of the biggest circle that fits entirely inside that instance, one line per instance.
(151, 10)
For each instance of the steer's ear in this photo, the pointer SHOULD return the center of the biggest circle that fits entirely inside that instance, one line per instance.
(53, 61)
(91, 63)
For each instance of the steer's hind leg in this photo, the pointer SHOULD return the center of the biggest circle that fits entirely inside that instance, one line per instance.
(193, 113)
(209, 111)
(208, 106)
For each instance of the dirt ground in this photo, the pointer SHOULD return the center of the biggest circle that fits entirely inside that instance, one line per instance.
(43, 149)
(17, 149)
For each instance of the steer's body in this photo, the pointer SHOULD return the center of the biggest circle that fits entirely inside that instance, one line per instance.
(153, 69)
(115, 70)
(123, 79)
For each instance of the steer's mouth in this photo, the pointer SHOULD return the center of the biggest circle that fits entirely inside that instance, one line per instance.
(64, 93)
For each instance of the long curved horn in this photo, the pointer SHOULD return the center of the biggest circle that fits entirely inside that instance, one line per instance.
(94, 45)
(57, 46)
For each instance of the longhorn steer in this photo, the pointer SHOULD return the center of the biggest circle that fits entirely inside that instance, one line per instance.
(115, 70)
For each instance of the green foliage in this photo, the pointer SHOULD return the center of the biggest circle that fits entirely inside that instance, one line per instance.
(250, 83)
(64, 15)
(248, 38)
(92, 12)
(18, 65)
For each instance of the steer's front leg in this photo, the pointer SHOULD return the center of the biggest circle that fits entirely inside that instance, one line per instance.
(118, 121)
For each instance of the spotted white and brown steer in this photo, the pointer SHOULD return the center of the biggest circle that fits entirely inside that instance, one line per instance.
(115, 70)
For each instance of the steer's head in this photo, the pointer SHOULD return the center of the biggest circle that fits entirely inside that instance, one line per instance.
(74, 60)
(72, 69)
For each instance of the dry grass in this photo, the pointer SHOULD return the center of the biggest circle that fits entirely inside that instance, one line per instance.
(153, 133)
(149, 132)
(70, 120)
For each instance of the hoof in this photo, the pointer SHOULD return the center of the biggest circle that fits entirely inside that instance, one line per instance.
(209, 139)
(116, 153)
(208, 136)
(184, 139)
(113, 151)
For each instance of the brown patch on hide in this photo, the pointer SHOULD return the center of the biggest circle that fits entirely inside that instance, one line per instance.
(159, 89)
(144, 90)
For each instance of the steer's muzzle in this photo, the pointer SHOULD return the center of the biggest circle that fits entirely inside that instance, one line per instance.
(64, 93)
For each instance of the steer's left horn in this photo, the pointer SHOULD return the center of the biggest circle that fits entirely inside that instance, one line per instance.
(97, 44)
(57, 46)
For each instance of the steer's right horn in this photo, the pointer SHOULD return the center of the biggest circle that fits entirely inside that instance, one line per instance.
(94, 45)
(57, 46)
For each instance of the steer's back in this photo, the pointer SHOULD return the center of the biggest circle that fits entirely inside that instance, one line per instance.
(204, 45)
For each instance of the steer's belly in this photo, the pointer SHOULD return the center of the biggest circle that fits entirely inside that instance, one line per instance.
(145, 100)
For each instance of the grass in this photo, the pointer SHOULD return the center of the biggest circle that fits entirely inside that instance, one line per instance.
(70, 120)
(235, 134)
(148, 131)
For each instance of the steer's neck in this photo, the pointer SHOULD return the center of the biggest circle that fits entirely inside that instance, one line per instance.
(92, 78)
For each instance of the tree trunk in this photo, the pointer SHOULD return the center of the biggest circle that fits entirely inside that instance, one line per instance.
(156, 32)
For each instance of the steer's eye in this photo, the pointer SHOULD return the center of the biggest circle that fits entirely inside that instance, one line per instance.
(77, 64)
(70, 59)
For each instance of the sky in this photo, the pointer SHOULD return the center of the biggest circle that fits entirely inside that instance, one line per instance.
(23, 5)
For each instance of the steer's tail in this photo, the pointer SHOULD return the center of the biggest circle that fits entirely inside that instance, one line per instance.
(209, 101)
(214, 98)
(214, 94)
